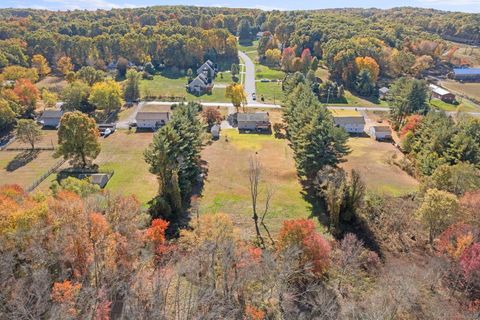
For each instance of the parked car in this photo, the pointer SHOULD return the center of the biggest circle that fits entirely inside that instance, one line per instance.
(254, 97)
(264, 80)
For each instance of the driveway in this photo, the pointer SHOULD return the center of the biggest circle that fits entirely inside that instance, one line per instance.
(249, 83)
(124, 124)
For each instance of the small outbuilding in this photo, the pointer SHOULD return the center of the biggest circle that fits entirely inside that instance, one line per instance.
(380, 132)
(215, 131)
(382, 92)
(50, 118)
(258, 121)
(442, 94)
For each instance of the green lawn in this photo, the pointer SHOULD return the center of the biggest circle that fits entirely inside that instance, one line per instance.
(123, 153)
(174, 87)
(246, 48)
(465, 106)
(226, 189)
(270, 91)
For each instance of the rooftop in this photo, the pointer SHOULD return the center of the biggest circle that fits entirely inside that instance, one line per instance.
(382, 128)
(155, 107)
(52, 113)
(438, 90)
(466, 71)
(257, 116)
(349, 120)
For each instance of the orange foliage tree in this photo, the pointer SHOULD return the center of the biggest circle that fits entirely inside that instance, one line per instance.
(315, 248)
(411, 124)
(27, 93)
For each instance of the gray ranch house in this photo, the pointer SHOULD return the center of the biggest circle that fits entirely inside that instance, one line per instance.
(153, 116)
(351, 124)
(258, 121)
(51, 118)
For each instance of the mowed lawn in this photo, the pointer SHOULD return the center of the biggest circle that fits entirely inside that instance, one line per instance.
(174, 87)
(123, 153)
(227, 185)
(370, 159)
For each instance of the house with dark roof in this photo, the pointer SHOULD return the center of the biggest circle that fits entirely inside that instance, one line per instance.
(258, 121)
(466, 74)
(51, 118)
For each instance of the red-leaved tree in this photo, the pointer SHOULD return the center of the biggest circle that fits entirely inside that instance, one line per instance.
(314, 247)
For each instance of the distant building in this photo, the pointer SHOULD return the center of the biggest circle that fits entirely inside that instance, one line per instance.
(380, 132)
(100, 179)
(466, 74)
(154, 117)
(200, 85)
(351, 124)
(51, 118)
(382, 92)
(215, 131)
(442, 94)
(258, 121)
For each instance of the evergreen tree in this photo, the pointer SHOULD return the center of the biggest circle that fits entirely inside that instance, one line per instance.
(132, 85)
(365, 84)
(408, 96)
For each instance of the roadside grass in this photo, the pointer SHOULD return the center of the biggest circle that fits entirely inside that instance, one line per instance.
(370, 159)
(344, 112)
(265, 72)
(227, 185)
(248, 47)
(123, 153)
(163, 86)
(270, 91)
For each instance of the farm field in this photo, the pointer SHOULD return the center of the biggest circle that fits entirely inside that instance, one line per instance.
(166, 87)
(465, 106)
(470, 89)
(227, 186)
(370, 159)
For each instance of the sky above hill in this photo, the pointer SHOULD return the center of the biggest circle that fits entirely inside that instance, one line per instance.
(451, 5)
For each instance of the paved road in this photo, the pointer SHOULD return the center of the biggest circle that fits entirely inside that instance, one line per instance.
(123, 124)
(225, 104)
(249, 84)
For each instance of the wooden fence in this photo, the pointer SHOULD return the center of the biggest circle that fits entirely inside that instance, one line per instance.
(45, 175)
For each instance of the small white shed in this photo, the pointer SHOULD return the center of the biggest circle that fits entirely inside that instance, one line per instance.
(215, 131)
(380, 132)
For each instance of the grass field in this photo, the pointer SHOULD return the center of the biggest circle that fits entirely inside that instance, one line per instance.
(465, 106)
(471, 89)
(123, 153)
(175, 87)
(226, 188)
(370, 159)
(14, 169)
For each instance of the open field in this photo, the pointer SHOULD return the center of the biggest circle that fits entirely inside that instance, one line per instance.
(370, 159)
(52, 83)
(226, 187)
(270, 91)
(23, 168)
(162, 86)
(469, 89)
(123, 153)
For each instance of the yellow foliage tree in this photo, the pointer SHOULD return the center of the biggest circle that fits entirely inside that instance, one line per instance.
(369, 64)
(64, 64)
(237, 95)
(41, 64)
(106, 96)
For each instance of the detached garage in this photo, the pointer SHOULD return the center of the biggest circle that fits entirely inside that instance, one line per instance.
(380, 132)
(51, 118)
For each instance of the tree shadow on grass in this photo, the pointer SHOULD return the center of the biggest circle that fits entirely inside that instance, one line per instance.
(22, 159)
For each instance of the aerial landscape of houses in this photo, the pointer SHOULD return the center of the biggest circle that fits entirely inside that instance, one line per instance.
(239, 161)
